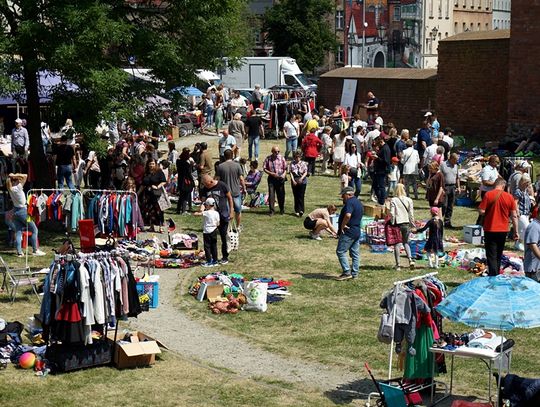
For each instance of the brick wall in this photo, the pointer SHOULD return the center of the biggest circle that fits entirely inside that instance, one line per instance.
(404, 102)
(524, 78)
(472, 87)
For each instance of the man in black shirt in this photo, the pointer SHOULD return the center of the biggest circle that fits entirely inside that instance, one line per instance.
(255, 130)
(446, 147)
(65, 162)
(224, 205)
(372, 105)
(381, 168)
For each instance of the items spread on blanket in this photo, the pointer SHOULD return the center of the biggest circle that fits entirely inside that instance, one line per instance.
(229, 293)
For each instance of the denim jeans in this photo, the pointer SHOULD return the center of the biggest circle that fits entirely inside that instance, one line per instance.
(356, 183)
(351, 245)
(253, 141)
(19, 219)
(379, 187)
(64, 172)
(209, 115)
(291, 146)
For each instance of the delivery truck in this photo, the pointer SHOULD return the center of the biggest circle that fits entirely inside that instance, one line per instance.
(264, 71)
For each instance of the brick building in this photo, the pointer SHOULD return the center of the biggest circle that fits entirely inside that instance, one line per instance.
(472, 82)
(524, 75)
(405, 94)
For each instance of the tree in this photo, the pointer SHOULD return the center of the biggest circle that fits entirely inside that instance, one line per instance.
(299, 29)
(87, 42)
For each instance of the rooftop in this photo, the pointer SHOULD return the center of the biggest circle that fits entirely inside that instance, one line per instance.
(380, 73)
(479, 36)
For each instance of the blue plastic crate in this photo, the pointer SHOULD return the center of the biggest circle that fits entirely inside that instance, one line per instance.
(150, 288)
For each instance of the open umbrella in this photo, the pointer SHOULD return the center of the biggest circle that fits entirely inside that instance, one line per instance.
(500, 302)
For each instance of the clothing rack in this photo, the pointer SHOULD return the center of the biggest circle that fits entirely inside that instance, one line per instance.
(41, 190)
(396, 285)
(118, 191)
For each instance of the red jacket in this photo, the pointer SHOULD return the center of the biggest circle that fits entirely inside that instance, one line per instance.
(311, 145)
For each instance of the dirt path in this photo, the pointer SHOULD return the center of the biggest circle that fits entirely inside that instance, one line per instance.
(214, 348)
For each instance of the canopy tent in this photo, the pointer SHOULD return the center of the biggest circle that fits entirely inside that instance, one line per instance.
(187, 91)
(48, 83)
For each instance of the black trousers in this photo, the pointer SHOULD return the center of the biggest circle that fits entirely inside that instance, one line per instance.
(494, 245)
(93, 179)
(222, 229)
(310, 165)
(276, 187)
(184, 202)
(299, 192)
(210, 245)
(379, 187)
(448, 205)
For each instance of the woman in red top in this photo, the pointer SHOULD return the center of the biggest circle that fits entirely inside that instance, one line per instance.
(311, 145)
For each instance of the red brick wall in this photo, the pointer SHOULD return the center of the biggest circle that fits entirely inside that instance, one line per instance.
(404, 102)
(524, 78)
(472, 87)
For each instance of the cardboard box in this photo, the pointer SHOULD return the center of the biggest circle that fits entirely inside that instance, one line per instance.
(473, 234)
(209, 290)
(334, 219)
(140, 351)
(374, 211)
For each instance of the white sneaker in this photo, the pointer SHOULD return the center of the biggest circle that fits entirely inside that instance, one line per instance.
(39, 253)
(316, 237)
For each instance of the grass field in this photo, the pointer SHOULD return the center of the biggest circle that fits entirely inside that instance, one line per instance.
(331, 322)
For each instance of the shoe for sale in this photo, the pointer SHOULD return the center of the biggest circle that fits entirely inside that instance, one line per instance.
(39, 253)
(344, 277)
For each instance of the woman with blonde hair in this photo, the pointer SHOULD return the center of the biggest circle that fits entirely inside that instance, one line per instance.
(319, 220)
(402, 215)
(435, 185)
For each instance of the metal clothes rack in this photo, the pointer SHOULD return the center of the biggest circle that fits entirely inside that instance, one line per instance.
(118, 191)
(396, 285)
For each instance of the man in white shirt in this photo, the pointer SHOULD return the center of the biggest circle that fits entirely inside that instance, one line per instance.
(431, 151)
(410, 161)
(489, 175)
(226, 142)
(447, 137)
(371, 136)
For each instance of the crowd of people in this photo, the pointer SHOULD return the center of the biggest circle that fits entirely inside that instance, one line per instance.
(317, 142)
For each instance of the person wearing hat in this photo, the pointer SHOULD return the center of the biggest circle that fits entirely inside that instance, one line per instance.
(20, 141)
(255, 130)
(210, 232)
(349, 221)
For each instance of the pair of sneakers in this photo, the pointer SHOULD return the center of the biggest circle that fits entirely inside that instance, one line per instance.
(36, 253)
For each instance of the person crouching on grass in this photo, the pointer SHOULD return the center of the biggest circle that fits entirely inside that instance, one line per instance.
(319, 220)
(210, 232)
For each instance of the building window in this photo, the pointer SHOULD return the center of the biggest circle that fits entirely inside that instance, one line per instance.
(397, 13)
(455, 28)
(479, 26)
(464, 27)
(472, 27)
(440, 8)
(340, 20)
(487, 26)
(464, 3)
(431, 8)
(447, 8)
(340, 54)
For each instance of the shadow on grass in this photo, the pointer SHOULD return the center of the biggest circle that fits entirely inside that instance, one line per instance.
(348, 392)
(317, 276)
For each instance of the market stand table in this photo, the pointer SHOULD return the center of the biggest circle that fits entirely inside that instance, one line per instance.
(488, 356)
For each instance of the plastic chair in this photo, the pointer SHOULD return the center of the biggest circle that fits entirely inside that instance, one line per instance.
(15, 278)
(393, 397)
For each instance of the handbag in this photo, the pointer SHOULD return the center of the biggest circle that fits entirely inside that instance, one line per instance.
(392, 233)
(233, 237)
(163, 201)
(385, 332)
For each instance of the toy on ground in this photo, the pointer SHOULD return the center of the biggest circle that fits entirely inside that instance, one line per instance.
(27, 360)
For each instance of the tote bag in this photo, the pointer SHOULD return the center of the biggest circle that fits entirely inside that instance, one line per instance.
(392, 232)
(163, 201)
(233, 237)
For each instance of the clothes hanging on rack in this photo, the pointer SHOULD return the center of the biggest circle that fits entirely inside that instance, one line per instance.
(63, 206)
(82, 293)
(114, 212)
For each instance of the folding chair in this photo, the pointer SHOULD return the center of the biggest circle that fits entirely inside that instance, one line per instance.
(398, 395)
(19, 277)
